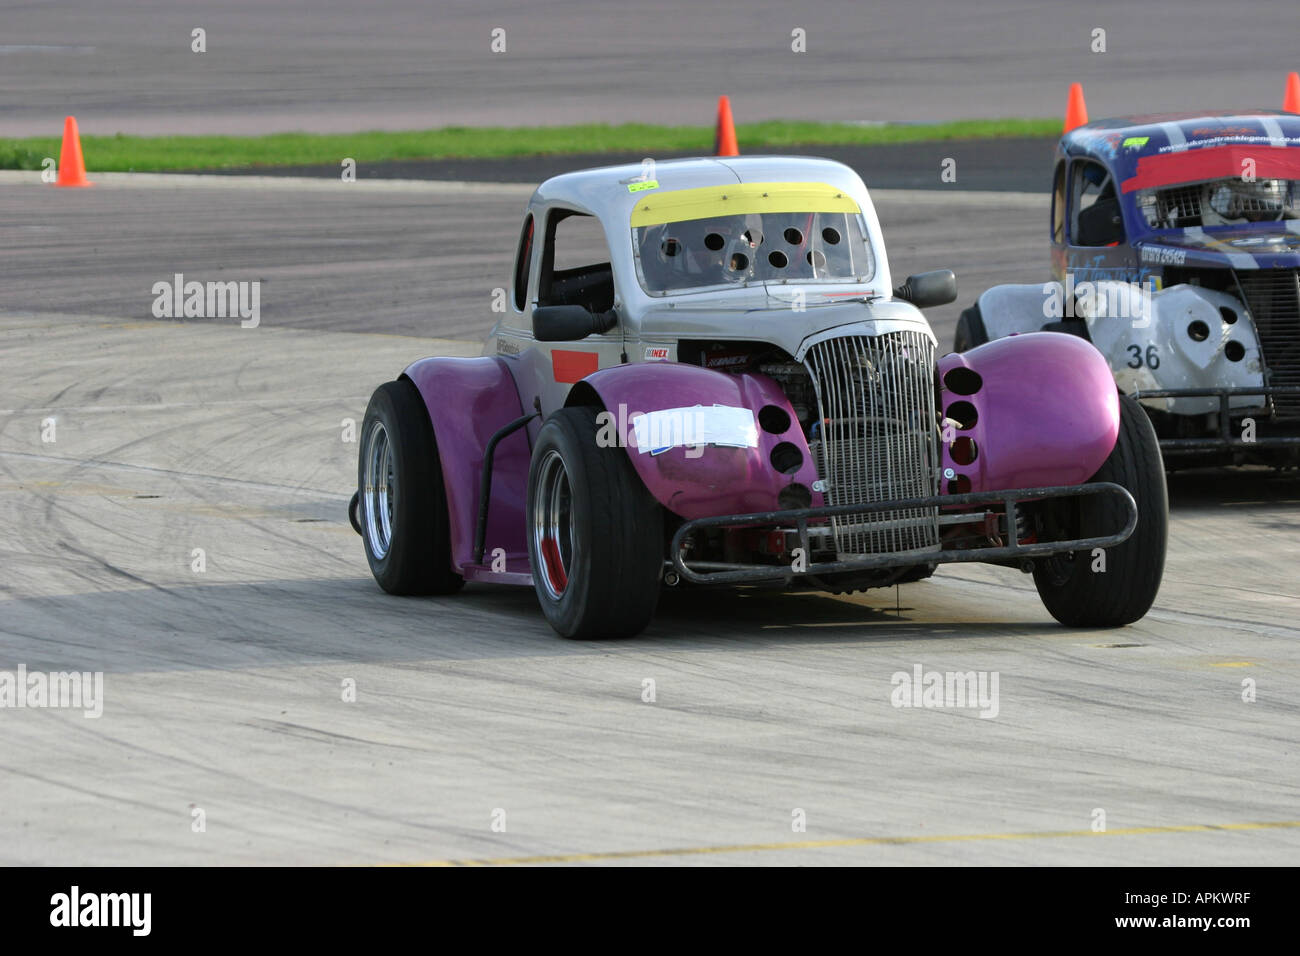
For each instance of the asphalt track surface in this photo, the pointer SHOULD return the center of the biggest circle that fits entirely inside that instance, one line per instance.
(223, 688)
(341, 65)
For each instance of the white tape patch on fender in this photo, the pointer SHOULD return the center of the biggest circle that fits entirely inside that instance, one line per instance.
(725, 425)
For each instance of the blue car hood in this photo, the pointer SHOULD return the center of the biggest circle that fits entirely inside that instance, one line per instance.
(1240, 248)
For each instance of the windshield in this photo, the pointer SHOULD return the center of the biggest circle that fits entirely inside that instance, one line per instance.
(1218, 202)
(722, 236)
(759, 247)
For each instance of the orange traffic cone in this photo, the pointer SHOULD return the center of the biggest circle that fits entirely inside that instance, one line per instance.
(1291, 102)
(724, 139)
(72, 168)
(1076, 111)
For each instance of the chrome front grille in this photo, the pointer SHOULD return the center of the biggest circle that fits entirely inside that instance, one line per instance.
(1273, 297)
(875, 439)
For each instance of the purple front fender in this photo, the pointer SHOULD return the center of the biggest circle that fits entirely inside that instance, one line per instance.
(1038, 409)
(716, 478)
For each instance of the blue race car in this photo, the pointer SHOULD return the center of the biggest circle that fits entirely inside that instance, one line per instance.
(1175, 245)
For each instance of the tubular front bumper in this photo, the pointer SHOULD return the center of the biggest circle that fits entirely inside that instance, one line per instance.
(1012, 550)
(1224, 439)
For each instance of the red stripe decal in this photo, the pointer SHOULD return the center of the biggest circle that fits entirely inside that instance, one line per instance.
(1214, 162)
(573, 366)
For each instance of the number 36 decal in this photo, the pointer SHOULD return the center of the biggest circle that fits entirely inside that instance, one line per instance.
(1137, 359)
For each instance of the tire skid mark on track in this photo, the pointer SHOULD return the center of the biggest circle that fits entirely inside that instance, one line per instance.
(180, 476)
(115, 570)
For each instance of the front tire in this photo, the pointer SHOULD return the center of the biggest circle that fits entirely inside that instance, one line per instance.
(595, 534)
(402, 504)
(1071, 591)
(970, 330)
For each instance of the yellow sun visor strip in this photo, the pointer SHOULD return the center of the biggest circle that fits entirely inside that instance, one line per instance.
(741, 199)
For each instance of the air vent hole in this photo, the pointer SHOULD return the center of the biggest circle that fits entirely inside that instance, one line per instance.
(794, 496)
(964, 450)
(786, 458)
(774, 419)
(964, 414)
(962, 381)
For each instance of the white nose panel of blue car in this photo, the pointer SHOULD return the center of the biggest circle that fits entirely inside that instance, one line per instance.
(725, 425)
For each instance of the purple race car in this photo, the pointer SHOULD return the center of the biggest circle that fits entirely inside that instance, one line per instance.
(704, 376)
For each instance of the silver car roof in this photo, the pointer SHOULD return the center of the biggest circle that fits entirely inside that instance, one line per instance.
(604, 192)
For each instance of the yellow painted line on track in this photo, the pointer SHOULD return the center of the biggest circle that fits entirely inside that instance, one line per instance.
(852, 841)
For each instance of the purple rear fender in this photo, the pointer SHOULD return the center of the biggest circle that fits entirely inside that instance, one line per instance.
(1040, 409)
(737, 475)
(468, 400)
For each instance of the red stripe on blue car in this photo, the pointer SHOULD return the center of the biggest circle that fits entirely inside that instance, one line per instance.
(1214, 162)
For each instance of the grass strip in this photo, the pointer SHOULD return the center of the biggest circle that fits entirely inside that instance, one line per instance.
(156, 153)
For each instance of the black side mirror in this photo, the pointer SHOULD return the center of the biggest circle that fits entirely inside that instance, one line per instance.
(929, 288)
(568, 323)
(1100, 224)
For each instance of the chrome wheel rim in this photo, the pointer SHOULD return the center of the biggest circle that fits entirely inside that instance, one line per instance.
(380, 485)
(553, 525)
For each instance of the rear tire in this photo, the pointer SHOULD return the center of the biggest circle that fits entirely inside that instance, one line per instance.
(970, 330)
(402, 508)
(595, 534)
(1125, 591)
